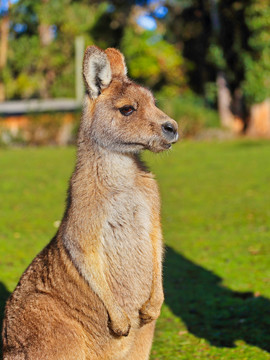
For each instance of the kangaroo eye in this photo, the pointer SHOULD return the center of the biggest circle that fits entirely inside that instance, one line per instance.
(126, 110)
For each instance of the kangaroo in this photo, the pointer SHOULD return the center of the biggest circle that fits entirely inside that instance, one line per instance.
(95, 291)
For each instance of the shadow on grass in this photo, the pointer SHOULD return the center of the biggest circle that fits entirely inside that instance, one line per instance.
(4, 294)
(211, 311)
(252, 143)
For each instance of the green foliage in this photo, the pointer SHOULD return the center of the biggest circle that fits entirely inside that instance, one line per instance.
(47, 70)
(189, 111)
(257, 62)
(151, 59)
(194, 42)
(49, 29)
(215, 214)
(216, 56)
(211, 92)
(232, 37)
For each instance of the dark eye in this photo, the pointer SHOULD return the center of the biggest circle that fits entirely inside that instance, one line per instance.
(126, 110)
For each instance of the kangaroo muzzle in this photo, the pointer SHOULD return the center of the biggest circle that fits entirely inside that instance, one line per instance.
(169, 130)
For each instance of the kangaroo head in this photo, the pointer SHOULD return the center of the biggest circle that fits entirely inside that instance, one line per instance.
(120, 115)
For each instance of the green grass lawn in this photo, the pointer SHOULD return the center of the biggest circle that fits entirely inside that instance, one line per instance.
(216, 222)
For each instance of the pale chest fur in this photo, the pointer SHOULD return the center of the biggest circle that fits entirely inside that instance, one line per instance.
(127, 247)
(109, 225)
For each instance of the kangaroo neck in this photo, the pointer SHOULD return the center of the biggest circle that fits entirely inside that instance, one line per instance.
(98, 167)
(98, 176)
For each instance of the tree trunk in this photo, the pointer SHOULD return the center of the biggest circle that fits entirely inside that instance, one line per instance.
(45, 34)
(224, 95)
(45, 37)
(259, 123)
(224, 102)
(4, 31)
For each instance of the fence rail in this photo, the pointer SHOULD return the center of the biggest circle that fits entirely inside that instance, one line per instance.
(28, 106)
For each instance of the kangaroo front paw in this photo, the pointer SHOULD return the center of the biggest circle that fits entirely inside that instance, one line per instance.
(150, 311)
(148, 314)
(120, 324)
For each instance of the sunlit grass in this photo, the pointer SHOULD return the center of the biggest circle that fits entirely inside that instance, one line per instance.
(216, 222)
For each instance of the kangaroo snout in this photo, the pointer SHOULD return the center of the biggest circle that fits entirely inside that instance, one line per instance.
(169, 129)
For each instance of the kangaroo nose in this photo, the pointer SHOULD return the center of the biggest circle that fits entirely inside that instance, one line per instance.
(170, 131)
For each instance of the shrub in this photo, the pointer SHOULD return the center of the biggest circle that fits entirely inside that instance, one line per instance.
(39, 129)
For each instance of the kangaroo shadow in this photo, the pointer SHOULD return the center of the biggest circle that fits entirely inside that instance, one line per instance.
(211, 311)
(4, 294)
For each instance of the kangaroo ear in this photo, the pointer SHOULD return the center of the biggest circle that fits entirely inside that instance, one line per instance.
(97, 72)
(117, 61)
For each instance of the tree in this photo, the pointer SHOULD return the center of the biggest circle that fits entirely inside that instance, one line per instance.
(151, 59)
(41, 54)
(228, 41)
(257, 61)
(257, 67)
(42, 35)
(4, 32)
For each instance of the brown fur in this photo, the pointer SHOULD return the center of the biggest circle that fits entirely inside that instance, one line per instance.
(95, 291)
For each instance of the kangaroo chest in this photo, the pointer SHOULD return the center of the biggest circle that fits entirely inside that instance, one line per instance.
(128, 249)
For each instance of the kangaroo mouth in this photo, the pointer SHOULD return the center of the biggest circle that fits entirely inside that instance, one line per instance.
(159, 146)
(168, 146)
(134, 144)
(156, 146)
